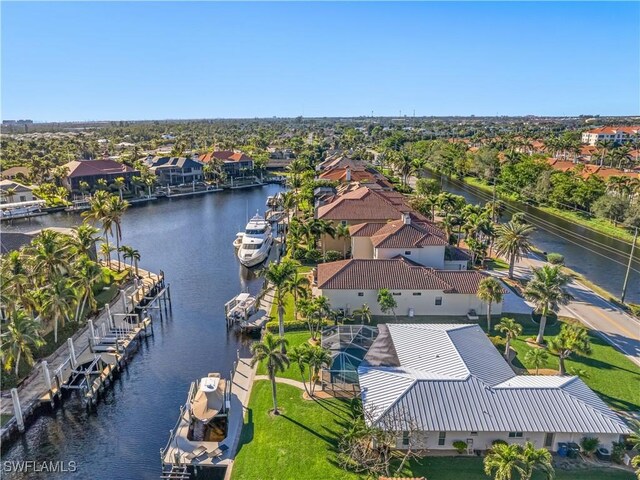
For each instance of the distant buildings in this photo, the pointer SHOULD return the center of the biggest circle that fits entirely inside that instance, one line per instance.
(90, 171)
(14, 192)
(435, 384)
(234, 164)
(615, 134)
(176, 170)
(14, 173)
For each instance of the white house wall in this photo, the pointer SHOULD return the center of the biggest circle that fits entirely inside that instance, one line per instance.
(423, 304)
(432, 256)
(455, 264)
(361, 247)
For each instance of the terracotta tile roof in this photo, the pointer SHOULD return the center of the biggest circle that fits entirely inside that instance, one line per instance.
(88, 168)
(455, 253)
(612, 130)
(367, 229)
(395, 274)
(13, 171)
(586, 170)
(397, 234)
(366, 204)
(225, 156)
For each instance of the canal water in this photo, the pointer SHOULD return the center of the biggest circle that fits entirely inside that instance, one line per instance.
(600, 258)
(191, 240)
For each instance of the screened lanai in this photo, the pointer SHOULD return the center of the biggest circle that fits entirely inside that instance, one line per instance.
(348, 345)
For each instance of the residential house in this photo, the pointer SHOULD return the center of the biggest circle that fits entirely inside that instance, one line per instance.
(14, 192)
(363, 204)
(361, 174)
(418, 290)
(615, 134)
(439, 383)
(14, 173)
(176, 170)
(421, 242)
(90, 171)
(234, 164)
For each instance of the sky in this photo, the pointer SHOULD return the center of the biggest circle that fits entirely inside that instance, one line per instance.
(137, 61)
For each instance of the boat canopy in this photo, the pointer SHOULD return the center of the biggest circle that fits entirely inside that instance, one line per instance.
(209, 399)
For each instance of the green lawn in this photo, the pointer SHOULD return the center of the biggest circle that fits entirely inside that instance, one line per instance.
(301, 442)
(293, 372)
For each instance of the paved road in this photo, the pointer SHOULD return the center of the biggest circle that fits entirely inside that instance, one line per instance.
(614, 325)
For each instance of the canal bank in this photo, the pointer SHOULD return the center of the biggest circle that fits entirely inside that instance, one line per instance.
(191, 240)
(599, 258)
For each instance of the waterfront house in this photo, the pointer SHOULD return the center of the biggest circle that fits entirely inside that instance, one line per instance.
(361, 174)
(14, 192)
(234, 164)
(364, 204)
(440, 383)
(418, 290)
(421, 242)
(618, 135)
(14, 173)
(175, 170)
(90, 171)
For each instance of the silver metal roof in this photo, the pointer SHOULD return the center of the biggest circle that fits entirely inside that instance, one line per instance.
(451, 378)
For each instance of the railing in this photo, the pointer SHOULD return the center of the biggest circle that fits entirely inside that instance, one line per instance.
(171, 435)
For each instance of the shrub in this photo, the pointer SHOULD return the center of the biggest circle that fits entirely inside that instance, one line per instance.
(498, 342)
(589, 445)
(299, 255)
(460, 446)
(617, 452)
(555, 259)
(498, 442)
(332, 256)
(313, 256)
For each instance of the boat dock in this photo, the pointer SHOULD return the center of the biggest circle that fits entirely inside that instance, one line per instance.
(88, 361)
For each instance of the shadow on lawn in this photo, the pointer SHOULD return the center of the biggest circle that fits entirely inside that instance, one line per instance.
(247, 433)
(326, 439)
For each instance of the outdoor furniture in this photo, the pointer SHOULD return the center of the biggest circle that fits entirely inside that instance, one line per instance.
(218, 452)
(197, 452)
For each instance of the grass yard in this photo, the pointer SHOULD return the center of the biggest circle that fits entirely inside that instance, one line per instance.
(293, 372)
(301, 442)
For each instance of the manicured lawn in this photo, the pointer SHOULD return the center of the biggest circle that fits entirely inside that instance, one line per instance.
(609, 373)
(293, 372)
(301, 442)
(4, 419)
(298, 444)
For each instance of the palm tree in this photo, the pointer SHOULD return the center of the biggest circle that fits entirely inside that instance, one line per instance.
(511, 330)
(20, 336)
(48, 254)
(546, 291)
(387, 302)
(490, 291)
(271, 349)
(300, 356)
(119, 184)
(105, 251)
(318, 358)
(513, 241)
(99, 212)
(536, 357)
(298, 286)
(58, 298)
(10, 193)
(503, 461)
(342, 232)
(116, 210)
(364, 313)
(279, 275)
(84, 239)
(131, 254)
(15, 279)
(573, 338)
(86, 275)
(533, 459)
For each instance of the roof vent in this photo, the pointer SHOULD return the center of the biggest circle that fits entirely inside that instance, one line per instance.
(406, 218)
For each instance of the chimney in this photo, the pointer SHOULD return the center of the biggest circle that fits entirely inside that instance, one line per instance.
(406, 219)
(348, 174)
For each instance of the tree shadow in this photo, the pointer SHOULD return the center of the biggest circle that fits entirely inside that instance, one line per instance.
(247, 433)
(310, 430)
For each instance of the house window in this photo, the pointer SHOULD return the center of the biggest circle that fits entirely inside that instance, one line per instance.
(438, 300)
(361, 294)
(344, 222)
(405, 439)
(407, 252)
(474, 434)
(417, 294)
(548, 439)
(396, 294)
(515, 434)
(442, 437)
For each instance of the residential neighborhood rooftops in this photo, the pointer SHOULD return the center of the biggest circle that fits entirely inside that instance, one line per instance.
(398, 234)
(10, 173)
(449, 377)
(17, 187)
(225, 156)
(173, 162)
(395, 273)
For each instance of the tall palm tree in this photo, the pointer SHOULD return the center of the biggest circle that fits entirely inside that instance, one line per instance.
(116, 210)
(86, 275)
(319, 358)
(536, 357)
(15, 280)
(271, 350)
(546, 290)
(105, 251)
(278, 275)
(99, 213)
(513, 241)
(298, 286)
(573, 338)
(132, 254)
(342, 232)
(503, 461)
(490, 291)
(300, 356)
(20, 336)
(48, 254)
(84, 239)
(511, 330)
(58, 299)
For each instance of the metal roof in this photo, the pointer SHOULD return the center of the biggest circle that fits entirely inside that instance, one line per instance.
(451, 378)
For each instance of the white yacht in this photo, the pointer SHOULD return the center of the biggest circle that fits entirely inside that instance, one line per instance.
(256, 242)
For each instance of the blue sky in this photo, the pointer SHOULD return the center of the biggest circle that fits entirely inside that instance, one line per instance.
(95, 61)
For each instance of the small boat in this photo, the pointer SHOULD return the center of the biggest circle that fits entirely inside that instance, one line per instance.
(240, 307)
(256, 242)
(200, 436)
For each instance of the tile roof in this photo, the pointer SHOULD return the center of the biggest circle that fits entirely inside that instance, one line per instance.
(88, 168)
(451, 378)
(396, 274)
(366, 229)
(226, 156)
(612, 130)
(13, 171)
(18, 187)
(397, 234)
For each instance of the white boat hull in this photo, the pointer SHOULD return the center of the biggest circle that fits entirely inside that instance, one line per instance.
(256, 257)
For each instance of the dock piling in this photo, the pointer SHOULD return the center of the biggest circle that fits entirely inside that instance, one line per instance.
(72, 353)
(47, 375)
(17, 409)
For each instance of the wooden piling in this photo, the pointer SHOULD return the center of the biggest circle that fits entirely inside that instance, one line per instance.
(17, 409)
